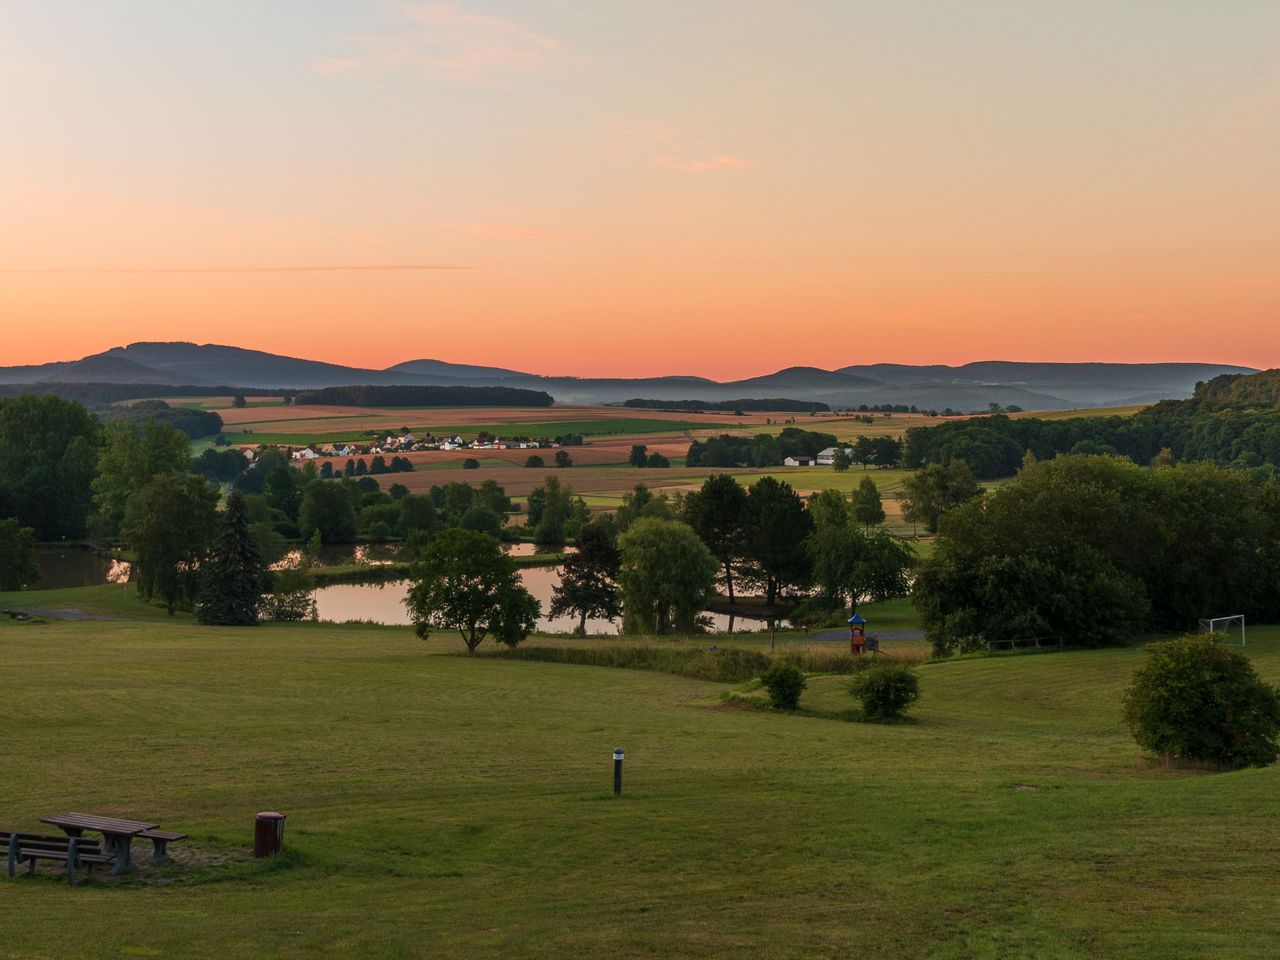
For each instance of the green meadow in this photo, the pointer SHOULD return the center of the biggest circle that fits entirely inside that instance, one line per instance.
(445, 806)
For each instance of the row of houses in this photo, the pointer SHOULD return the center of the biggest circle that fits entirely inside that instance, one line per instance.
(407, 443)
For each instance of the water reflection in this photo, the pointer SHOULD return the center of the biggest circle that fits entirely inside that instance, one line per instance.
(380, 554)
(384, 603)
(77, 567)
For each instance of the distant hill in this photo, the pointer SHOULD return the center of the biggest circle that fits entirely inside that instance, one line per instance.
(453, 371)
(105, 368)
(972, 386)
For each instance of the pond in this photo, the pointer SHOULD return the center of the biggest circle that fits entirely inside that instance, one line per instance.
(384, 603)
(77, 566)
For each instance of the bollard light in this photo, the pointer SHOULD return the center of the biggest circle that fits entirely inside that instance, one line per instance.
(617, 770)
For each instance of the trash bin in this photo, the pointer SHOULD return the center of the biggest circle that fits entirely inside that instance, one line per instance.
(268, 834)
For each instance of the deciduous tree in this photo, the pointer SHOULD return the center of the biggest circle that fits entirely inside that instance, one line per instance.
(588, 582)
(169, 524)
(667, 573)
(18, 569)
(465, 582)
(717, 513)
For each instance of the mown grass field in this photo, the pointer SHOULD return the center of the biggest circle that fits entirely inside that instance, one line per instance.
(441, 806)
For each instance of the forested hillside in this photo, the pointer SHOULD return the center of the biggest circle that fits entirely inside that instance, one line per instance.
(1232, 419)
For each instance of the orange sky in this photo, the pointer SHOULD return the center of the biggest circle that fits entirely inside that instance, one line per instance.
(635, 188)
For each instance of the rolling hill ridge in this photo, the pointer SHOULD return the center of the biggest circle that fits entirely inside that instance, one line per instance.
(972, 386)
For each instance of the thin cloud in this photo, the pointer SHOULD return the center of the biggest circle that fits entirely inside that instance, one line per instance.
(358, 268)
(500, 231)
(720, 162)
(440, 42)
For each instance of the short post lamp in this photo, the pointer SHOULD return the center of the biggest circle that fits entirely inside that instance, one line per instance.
(617, 770)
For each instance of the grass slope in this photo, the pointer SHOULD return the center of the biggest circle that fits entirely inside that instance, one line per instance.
(444, 806)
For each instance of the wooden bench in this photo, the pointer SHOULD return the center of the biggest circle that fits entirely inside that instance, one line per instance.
(75, 852)
(160, 840)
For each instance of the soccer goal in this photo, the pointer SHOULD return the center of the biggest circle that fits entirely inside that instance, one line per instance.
(1224, 629)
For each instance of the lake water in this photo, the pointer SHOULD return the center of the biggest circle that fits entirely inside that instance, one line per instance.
(384, 603)
(77, 567)
(376, 602)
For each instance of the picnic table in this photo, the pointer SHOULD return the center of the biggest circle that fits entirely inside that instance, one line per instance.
(117, 833)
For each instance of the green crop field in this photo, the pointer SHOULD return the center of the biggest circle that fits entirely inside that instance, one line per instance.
(441, 806)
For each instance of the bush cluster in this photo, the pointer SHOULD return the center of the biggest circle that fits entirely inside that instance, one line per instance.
(885, 690)
(1194, 701)
(785, 682)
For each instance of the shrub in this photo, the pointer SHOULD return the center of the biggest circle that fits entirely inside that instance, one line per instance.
(535, 461)
(471, 463)
(785, 683)
(1196, 701)
(885, 690)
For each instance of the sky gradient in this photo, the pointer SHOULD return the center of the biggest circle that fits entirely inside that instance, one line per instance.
(636, 187)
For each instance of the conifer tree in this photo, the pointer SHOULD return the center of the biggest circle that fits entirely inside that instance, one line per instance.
(234, 574)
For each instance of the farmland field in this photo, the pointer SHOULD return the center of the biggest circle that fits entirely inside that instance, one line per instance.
(444, 806)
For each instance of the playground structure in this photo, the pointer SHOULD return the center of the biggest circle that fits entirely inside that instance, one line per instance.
(859, 642)
(1222, 629)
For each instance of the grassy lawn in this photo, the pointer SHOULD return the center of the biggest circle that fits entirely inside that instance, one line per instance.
(442, 806)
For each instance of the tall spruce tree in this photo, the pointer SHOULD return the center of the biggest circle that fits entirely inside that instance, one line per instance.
(234, 575)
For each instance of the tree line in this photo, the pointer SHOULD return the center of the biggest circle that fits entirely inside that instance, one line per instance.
(657, 561)
(743, 405)
(1094, 550)
(425, 396)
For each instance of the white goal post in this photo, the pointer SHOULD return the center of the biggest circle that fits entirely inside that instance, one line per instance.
(1223, 629)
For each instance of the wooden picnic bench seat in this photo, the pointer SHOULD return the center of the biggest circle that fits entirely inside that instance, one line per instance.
(160, 840)
(75, 852)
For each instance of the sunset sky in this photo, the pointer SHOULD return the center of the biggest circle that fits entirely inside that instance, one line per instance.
(635, 187)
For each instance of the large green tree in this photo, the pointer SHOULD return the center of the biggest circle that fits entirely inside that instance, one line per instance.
(465, 582)
(868, 509)
(48, 454)
(18, 568)
(667, 574)
(234, 575)
(169, 525)
(555, 514)
(132, 454)
(1093, 550)
(588, 580)
(933, 491)
(777, 525)
(716, 514)
(328, 507)
(849, 564)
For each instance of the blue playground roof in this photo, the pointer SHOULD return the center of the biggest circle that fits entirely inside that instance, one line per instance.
(856, 618)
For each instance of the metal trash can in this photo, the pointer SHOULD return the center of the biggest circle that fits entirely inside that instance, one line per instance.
(268, 834)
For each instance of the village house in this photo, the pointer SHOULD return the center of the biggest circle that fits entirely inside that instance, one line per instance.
(828, 456)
